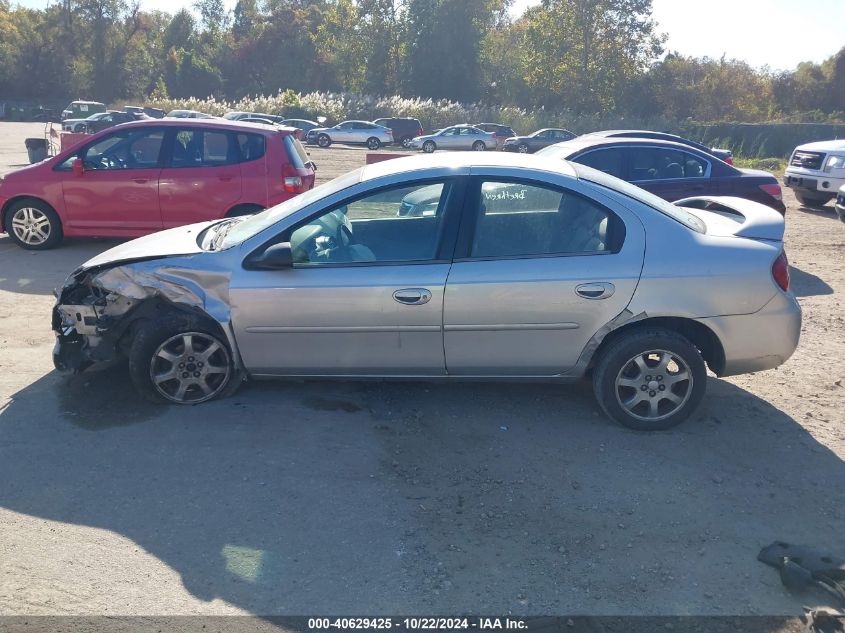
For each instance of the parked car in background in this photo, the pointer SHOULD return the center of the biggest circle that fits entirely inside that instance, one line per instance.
(154, 113)
(240, 116)
(82, 109)
(536, 141)
(816, 171)
(188, 114)
(501, 132)
(137, 112)
(579, 274)
(722, 154)
(669, 170)
(150, 175)
(403, 128)
(301, 124)
(352, 133)
(840, 203)
(461, 137)
(96, 122)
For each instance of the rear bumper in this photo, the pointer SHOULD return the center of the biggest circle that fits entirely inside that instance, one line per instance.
(840, 206)
(758, 341)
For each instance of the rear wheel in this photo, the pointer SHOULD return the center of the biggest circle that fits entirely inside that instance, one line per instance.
(522, 148)
(429, 147)
(323, 140)
(405, 141)
(33, 225)
(649, 379)
(244, 209)
(812, 200)
(373, 143)
(182, 360)
(479, 146)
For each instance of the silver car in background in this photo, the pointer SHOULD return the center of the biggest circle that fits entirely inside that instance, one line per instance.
(460, 137)
(516, 268)
(352, 133)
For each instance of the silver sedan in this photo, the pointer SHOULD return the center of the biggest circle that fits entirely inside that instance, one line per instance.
(352, 133)
(462, 137)
(515, 268)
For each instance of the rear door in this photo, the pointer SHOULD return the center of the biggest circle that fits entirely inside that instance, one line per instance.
(539, 269)
(202, 177)
(670, 173)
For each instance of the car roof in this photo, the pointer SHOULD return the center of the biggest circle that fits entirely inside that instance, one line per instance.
(582, 142)
(225, 124)
(462, 160)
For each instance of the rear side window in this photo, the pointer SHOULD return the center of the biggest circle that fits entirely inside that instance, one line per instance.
(518, 219)
(664, 164)
(250, 146)
(194, 147)
(610, 161)
(297, 156)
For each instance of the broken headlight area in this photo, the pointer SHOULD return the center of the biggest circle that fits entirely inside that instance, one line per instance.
(84, 320)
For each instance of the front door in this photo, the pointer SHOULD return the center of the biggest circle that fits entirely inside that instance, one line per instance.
(202, 179)
(364, 296)
(118, 192)
(539, 270)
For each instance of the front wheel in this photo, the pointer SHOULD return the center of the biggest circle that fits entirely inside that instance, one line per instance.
(649, 379)
(522, 148)
(373, 143)
(479, 146)
(810, 200)
(323, 140)
(180, 359)
(33, 225)
(429, 147)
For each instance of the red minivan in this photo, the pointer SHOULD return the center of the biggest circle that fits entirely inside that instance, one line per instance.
(145, 176)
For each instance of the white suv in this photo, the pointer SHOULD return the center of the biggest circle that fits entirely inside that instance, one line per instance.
(816, 171)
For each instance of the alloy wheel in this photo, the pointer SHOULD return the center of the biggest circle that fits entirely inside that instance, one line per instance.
(652, 385)
(190, 367)
(31, 226)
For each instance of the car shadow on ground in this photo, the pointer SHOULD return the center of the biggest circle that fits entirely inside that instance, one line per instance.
(806, 284)
(40, 272)
(827, 211)
(291, 498)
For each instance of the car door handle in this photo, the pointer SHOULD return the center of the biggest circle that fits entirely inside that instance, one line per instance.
(695, 187)
(598, 290)
(141, 181)
(412, 296)
(225, 178)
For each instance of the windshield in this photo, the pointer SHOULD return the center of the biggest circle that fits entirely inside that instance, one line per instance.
(260, 221)
(679, 214)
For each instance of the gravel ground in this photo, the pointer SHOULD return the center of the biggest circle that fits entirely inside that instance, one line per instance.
(367, 498)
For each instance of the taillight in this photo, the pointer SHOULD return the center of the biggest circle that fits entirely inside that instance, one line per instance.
(420, 132)
(729, 160)
(780, 271)
(773, 189)
(293, 181)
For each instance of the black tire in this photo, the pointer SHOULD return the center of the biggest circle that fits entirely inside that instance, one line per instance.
(405, 141)
(523, 148)
(144, 361)
(429, 147)
(811, 200)
(479, 146)
(373, 143)
(620, 356)
(38, 216)
(324, 140)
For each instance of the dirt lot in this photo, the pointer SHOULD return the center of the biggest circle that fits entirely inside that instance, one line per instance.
(300, 498)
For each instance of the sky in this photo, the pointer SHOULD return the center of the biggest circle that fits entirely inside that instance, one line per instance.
(774, 33)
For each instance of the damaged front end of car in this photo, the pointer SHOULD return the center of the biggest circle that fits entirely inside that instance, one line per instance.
(99, 309)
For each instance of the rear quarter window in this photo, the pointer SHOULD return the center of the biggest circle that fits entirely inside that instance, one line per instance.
(297, 155)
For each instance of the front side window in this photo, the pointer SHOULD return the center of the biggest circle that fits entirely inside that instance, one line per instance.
(195, 147)
(518, 219)
(128, 149)
(664, 164)
(375, 228)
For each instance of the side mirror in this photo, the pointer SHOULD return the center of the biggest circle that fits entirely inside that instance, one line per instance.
(275, 257)
(78, 167)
